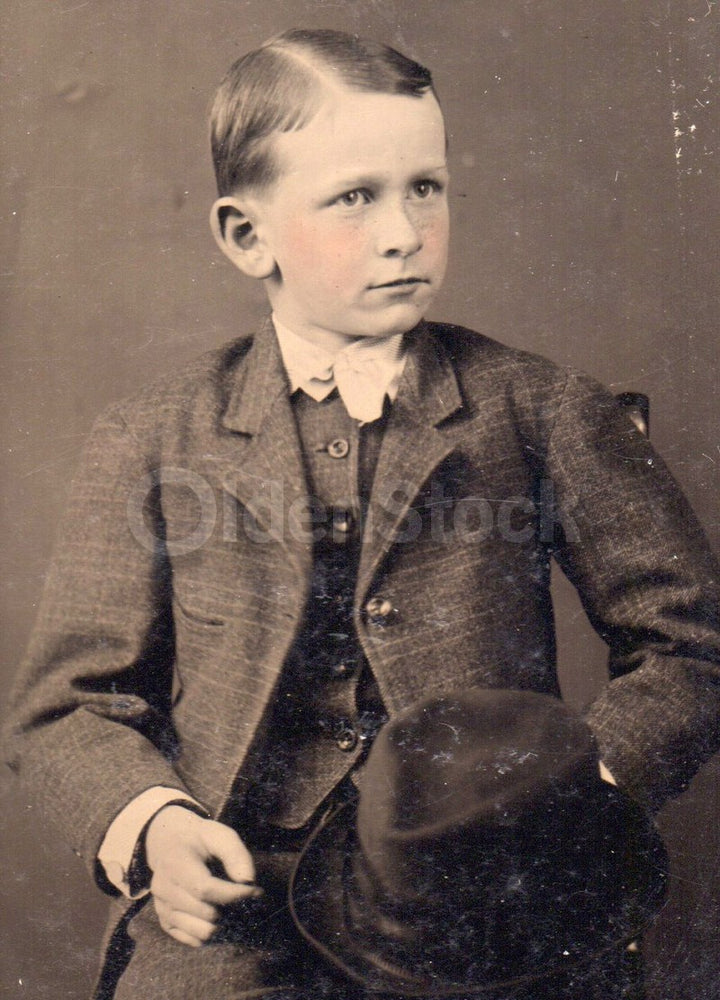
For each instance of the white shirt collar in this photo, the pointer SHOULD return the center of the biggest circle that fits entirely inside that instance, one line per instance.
(368, 369)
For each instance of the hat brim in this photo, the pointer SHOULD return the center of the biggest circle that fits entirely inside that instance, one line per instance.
(317, 900)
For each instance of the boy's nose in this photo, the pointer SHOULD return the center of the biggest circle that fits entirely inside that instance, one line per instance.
(398, 235)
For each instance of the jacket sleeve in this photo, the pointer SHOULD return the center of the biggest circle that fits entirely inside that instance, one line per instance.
(89, 726)
(632, 546)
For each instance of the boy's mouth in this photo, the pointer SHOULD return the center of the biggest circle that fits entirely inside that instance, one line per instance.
(400, 282)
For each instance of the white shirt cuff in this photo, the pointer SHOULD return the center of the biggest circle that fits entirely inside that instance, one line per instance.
(117, 849)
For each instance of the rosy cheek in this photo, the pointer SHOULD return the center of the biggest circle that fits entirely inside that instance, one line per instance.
(338, 254)
(300, 243)
(435, 237)
(323, 256)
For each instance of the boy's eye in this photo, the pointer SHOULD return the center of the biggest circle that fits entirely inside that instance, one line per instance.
(350, 199)
(425, 188)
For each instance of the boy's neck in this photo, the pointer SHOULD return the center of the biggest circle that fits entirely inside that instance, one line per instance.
(327, 340)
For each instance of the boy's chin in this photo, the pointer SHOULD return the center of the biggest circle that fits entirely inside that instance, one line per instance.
(400, 320)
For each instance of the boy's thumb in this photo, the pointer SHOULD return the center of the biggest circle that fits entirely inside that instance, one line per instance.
(224, 844)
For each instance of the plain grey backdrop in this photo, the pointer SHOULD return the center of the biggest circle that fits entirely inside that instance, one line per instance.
(583, 149)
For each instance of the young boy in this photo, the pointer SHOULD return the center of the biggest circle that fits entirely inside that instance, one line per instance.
(304, 533)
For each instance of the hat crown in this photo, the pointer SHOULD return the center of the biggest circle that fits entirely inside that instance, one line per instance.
(482, 757)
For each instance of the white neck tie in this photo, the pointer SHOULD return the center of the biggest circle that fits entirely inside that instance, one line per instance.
(362, 384)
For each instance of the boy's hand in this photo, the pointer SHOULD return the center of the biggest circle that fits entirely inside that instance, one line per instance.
(178, 846)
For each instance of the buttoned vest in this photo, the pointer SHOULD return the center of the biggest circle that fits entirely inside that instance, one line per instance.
(327, 707)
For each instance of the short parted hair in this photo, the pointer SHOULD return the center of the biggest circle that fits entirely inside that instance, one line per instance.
(278, 88)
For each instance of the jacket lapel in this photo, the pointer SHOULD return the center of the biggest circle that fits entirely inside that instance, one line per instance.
(412, 447)
(268, 477)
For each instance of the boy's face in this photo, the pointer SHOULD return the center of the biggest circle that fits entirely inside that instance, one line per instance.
(357, 222)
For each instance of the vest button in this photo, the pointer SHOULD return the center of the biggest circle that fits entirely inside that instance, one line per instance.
(379, 610)
(342, 525)
(338, 448)
(342, 670)
(347, 738)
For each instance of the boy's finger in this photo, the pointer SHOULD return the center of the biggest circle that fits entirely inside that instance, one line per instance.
(183, 938)
(185, 902)
(193, 927)
(194, 882)
(176, 925)
(222, 892)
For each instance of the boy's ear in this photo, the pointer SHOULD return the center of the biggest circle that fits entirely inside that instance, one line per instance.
(235, 230)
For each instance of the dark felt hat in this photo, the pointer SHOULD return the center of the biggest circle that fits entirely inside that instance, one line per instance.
(484, 852)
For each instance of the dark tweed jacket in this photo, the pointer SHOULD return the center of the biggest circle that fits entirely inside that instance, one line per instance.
(160, 641)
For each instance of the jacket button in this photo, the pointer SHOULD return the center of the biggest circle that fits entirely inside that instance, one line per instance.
(338, 448)
(342, 670)
(347, 738)
(379, 610)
